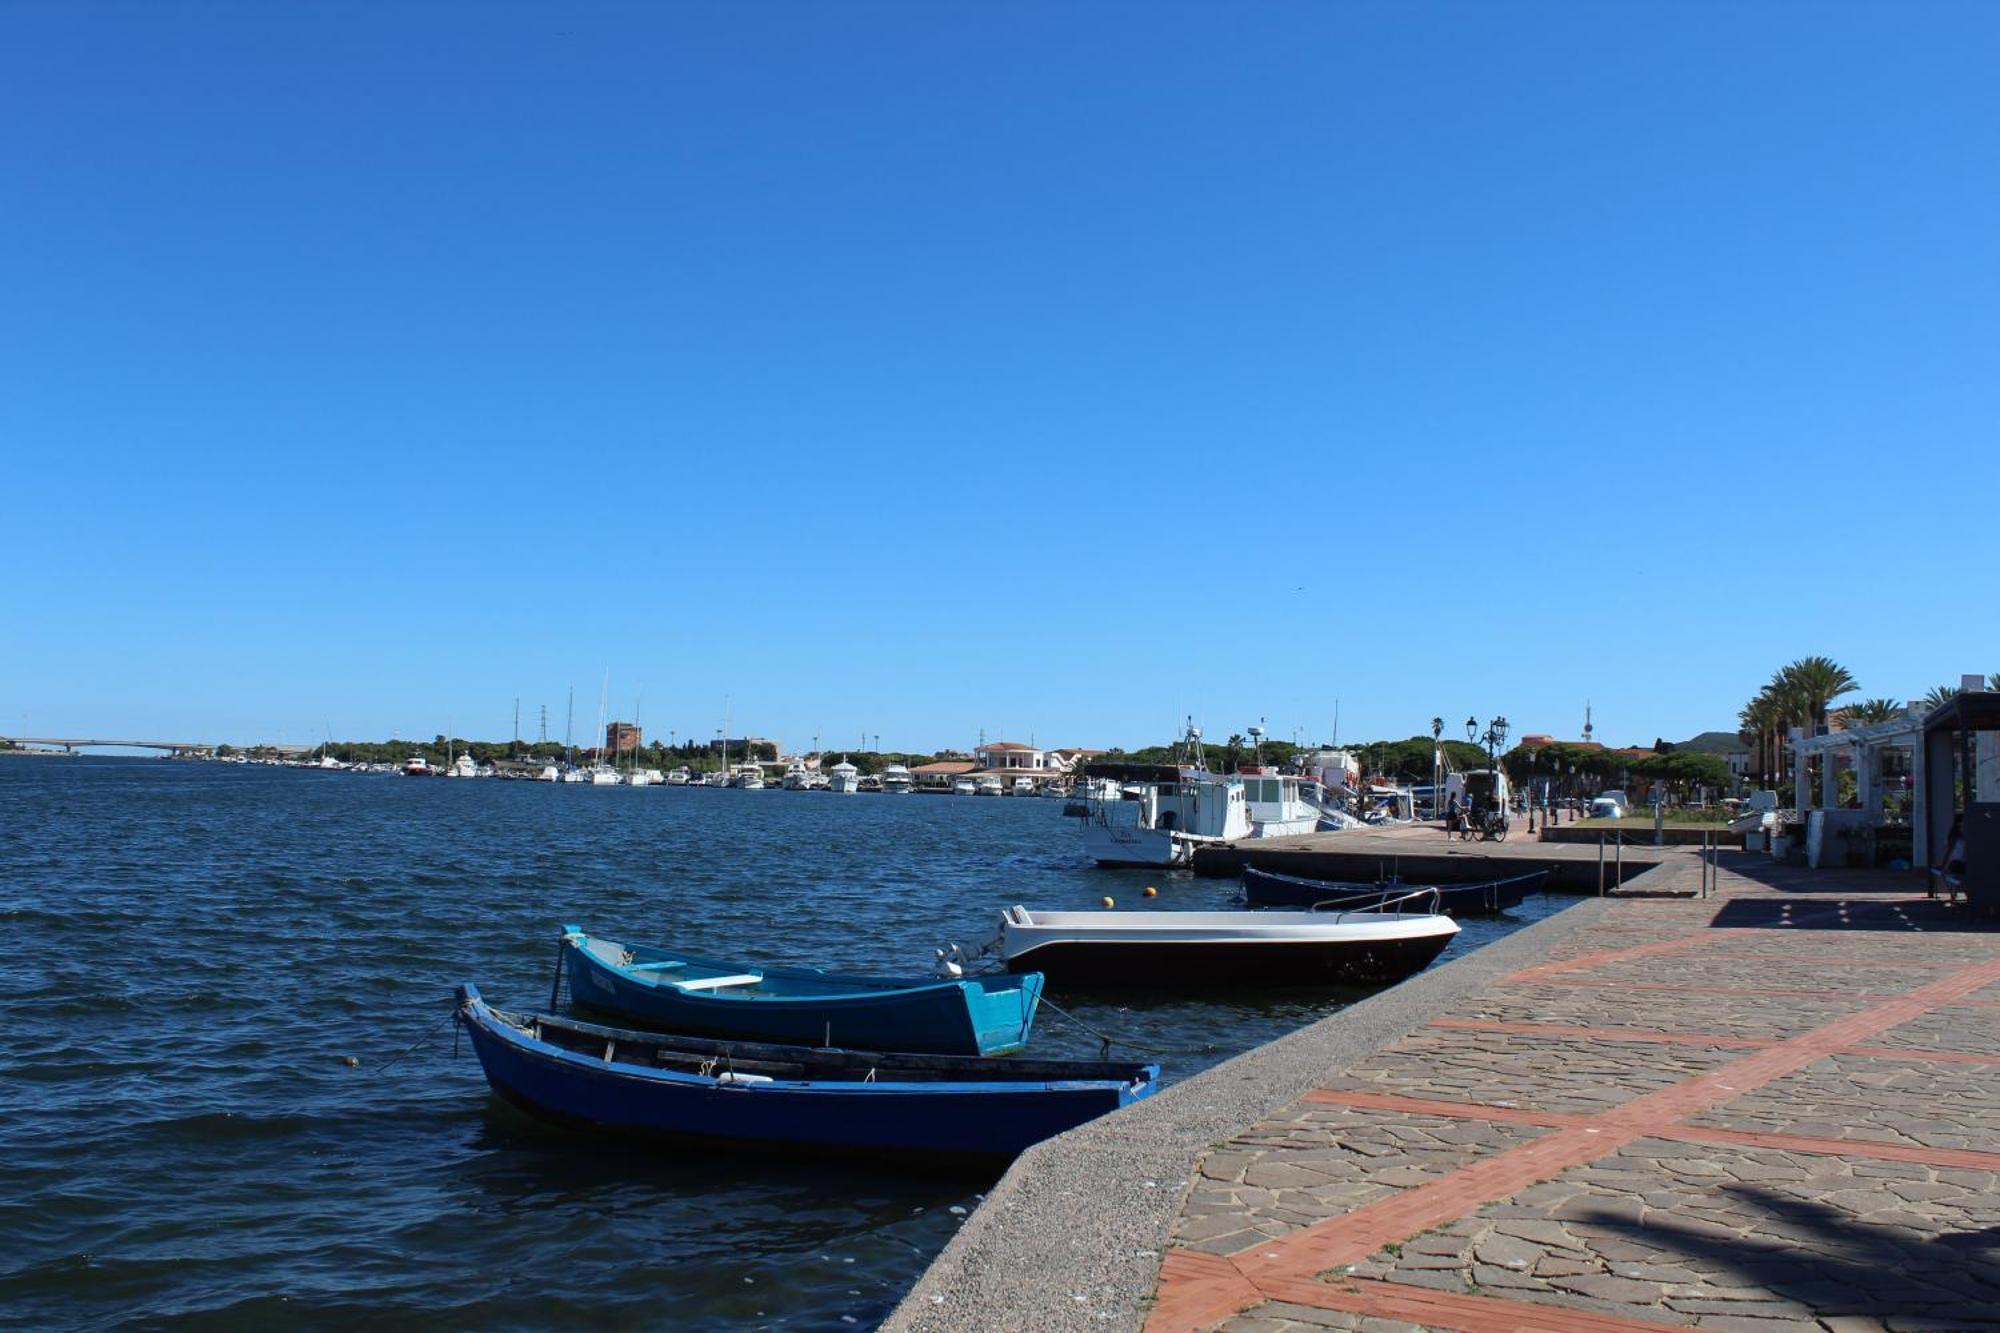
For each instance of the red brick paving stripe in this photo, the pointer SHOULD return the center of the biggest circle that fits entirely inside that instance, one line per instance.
(1920, 1054)
(1678, 944)
(1926, 966)
(1390, 1101)
(1197, 1289)
(1605, 983)
(1701, 1039)
(1870, 1148)
(1443, 1309)
(1725, 1083)
(1355, 1235)
(1601, 1034)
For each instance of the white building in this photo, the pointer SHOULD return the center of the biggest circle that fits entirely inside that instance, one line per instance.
(1011, 756)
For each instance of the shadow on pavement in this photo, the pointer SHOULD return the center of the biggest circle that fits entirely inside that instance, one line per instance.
(1833, 1262)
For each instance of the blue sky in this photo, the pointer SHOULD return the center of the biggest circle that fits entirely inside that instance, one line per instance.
(911, 369)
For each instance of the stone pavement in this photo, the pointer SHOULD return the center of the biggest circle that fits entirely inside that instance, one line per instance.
(1775, 1109)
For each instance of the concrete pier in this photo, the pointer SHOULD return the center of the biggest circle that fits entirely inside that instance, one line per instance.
(1423, 854)
(1774, 1109)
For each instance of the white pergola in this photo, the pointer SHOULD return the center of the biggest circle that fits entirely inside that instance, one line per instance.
(1864, 747)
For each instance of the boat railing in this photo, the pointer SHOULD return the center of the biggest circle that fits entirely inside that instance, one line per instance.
(1388, 900)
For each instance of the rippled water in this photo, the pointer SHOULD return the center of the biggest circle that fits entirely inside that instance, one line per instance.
(196, 949)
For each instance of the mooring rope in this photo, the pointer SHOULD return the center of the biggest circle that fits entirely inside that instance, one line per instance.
(1108, 1040)
(446, 1016)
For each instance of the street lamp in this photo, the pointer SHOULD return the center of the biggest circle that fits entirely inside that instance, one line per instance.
(1472, 729)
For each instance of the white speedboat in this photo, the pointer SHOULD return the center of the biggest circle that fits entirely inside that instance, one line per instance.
(716, 778)
(749, 777)
(678, 777)
(1181, 950)
(964, 787)
(1023, 787)
(797, 776)
(988, 785)
(898, 780)
(462, 767)
(844, 778)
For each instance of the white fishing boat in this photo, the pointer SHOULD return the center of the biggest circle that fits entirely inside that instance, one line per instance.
(988, 784)
(416, 766)
(964, 787)
(797, 776)
(1022, 787)
(844, 778)
(716, 778)
(462, 767)
(749, 777)
(1179, 950)
(1170, 812)
(897, 780)
(678, 777)
(1277, 804)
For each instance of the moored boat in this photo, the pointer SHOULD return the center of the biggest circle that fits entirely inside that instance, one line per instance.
(795, 1097)
(1268, 888)
(1180, 950)
(990, 1015)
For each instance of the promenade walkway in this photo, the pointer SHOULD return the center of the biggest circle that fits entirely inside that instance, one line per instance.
(1775, 1109)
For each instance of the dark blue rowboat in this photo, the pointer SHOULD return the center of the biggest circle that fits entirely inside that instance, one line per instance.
(682, 993)
(1267, 888)
(801, 1097)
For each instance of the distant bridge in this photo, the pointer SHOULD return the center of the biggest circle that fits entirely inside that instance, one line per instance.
(71, 744)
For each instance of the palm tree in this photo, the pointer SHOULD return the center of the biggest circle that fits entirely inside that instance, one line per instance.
(1868, 712)
(1938, 694)
(1815, 682)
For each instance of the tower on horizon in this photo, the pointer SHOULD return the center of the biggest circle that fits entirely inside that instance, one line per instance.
(1586, 722)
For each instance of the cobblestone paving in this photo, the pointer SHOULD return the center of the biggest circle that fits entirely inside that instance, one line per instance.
(1731, 973)
(1501, 1069)
(1692, 1234)
(1564, 1181)
(1319, 1162)
(1752, 1017)
(1284, 1317)
(1976, 1031)
(1877, 1100)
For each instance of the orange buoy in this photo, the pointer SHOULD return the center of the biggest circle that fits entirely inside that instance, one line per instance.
(1152, 892)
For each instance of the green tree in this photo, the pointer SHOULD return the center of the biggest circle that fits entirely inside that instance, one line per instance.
(1869, 712)
(1814, 683)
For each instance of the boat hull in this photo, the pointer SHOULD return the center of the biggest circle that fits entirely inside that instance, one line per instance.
(959, 1120)
(1264, 888)
(977, 1016)
(1182, 965)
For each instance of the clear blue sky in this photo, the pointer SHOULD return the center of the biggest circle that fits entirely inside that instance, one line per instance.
(1045, 368)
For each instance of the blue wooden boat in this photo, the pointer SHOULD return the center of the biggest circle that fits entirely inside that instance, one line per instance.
(1267, 888)
(682, 993)
(798, 1097)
